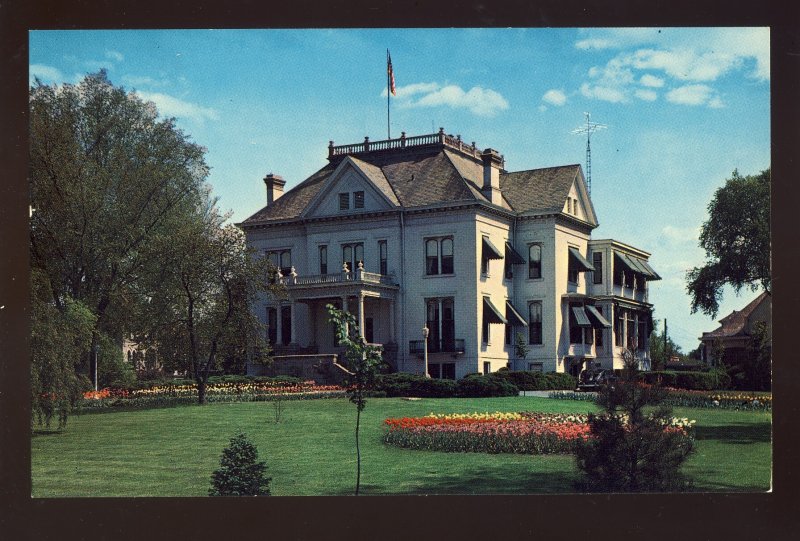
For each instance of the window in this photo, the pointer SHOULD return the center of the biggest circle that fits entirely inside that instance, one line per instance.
(286, 324)
(509, 333)
(631, 332)
(575, 331)
(535, 322)
(432, 322)
(344, 201)
(448, 370)
(369, 330)
(272, 325)
(641, 283)
(535, 261)
(642, 335)
(352, 254)
(382, 251)
(536, 367)
(448, 326)
(440, 320)
(323, 260)
(435, 370)
(597, 262)
(439, 256)
(487, 367)
(358, 200)
(619, 327)
(618, 273)
(281, 259)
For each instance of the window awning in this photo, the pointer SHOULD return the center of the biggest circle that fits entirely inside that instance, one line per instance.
(598, 321)
(513, 316)
(580, 316)
(637, 265)
(580, 262)
(513, 256)
(489, 251)
(491, 313)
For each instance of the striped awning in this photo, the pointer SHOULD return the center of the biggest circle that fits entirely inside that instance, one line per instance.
(491, 313)
(513, 256)
(598, 321)
(513, 316)
(637, 265)
(489, 250)
(580, 316)
(580, 262)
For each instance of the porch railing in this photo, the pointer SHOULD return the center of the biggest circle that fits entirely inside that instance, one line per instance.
(359, 276)
(417, 347)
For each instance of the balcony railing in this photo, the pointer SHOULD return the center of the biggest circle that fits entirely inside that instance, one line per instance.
(417, 347)
(359, 276)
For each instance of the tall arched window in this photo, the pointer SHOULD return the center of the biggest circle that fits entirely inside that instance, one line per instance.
(432, 256)
(535, 261)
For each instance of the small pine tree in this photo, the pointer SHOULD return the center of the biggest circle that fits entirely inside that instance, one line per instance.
(240, 473)
(628, 450)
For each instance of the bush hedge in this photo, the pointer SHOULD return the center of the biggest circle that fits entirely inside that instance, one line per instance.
(472, 386)
(692, 381)
(479, 386)
(538, 381)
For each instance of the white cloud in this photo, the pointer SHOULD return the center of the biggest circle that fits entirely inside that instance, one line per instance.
(478, 100)
(646, 95)
(542, 108)
(680, 235)
(651, 80)
(139, 81)
(595, 43)
(115, 56)
(716, 103)
(47, 74)
(691, 95)
(169, 106)
(555, 97)
(604, 93)
(684, 64)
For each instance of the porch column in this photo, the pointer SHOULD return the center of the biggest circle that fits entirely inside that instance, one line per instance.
(293, 329)
(391, 320)
(361, 315)
(344, 309)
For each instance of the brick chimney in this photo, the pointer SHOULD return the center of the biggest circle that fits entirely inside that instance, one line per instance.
(492, 164)
(275, 186)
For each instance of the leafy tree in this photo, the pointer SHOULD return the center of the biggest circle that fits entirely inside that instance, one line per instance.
(107, 177)
(363, 364)
(629, 450)
(59, 335)
(240, 473)
(521, 348)
(758, 368)
(736, 241)
(659, 356)
(201, 299)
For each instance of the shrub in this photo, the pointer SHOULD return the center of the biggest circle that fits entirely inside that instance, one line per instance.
(538, 381)
(240, 473)
(692, 381)
(478, 386)
(433, 388)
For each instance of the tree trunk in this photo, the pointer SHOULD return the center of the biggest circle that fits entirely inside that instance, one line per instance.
(358, 453)
(201, 391)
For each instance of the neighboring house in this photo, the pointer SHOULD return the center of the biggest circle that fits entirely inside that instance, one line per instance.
(735, 332)
(431, 232)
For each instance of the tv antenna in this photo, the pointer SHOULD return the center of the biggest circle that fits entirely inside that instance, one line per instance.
(589, 129)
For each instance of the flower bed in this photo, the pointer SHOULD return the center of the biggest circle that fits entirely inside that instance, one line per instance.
(175, 395)
(521, 433)
(737, 400)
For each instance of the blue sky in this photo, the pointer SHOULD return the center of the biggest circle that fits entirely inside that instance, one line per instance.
(684, 108)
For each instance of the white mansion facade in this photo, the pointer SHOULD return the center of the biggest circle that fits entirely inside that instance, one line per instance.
(431, 232)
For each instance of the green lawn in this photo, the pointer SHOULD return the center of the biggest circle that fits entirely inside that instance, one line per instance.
(172, 452)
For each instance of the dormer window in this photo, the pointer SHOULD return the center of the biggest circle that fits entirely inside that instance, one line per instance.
(358, 200)
(344, 201)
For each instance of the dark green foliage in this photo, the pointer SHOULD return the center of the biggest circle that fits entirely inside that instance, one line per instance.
(478, 386)
(538, 381)
(752, 371)
(700, 381)
(736, 241)
(240, 472)
(404, 384)
(630, 450)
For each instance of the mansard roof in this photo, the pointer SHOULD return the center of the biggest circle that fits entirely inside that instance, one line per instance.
(428, 170)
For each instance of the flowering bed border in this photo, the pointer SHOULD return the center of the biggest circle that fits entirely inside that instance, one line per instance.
(695, 399)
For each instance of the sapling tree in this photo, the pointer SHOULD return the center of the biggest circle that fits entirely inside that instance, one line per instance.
(362, 364)
(629, 449)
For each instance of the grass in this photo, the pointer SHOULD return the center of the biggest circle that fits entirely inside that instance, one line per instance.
(172, 452)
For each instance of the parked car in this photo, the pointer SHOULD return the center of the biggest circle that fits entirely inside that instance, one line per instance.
(592, 379)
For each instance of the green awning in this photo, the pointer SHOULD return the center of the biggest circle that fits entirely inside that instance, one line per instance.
(513, 256)
(581, 263)
(580, 316)
(637, 265)
(513, 316)
(653, 274)
(598, 321)
(491, 313)
(489, 251)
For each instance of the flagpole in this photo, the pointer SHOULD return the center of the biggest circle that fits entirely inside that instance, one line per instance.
(388, 97)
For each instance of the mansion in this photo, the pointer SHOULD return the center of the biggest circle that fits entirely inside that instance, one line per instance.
(430, 232)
